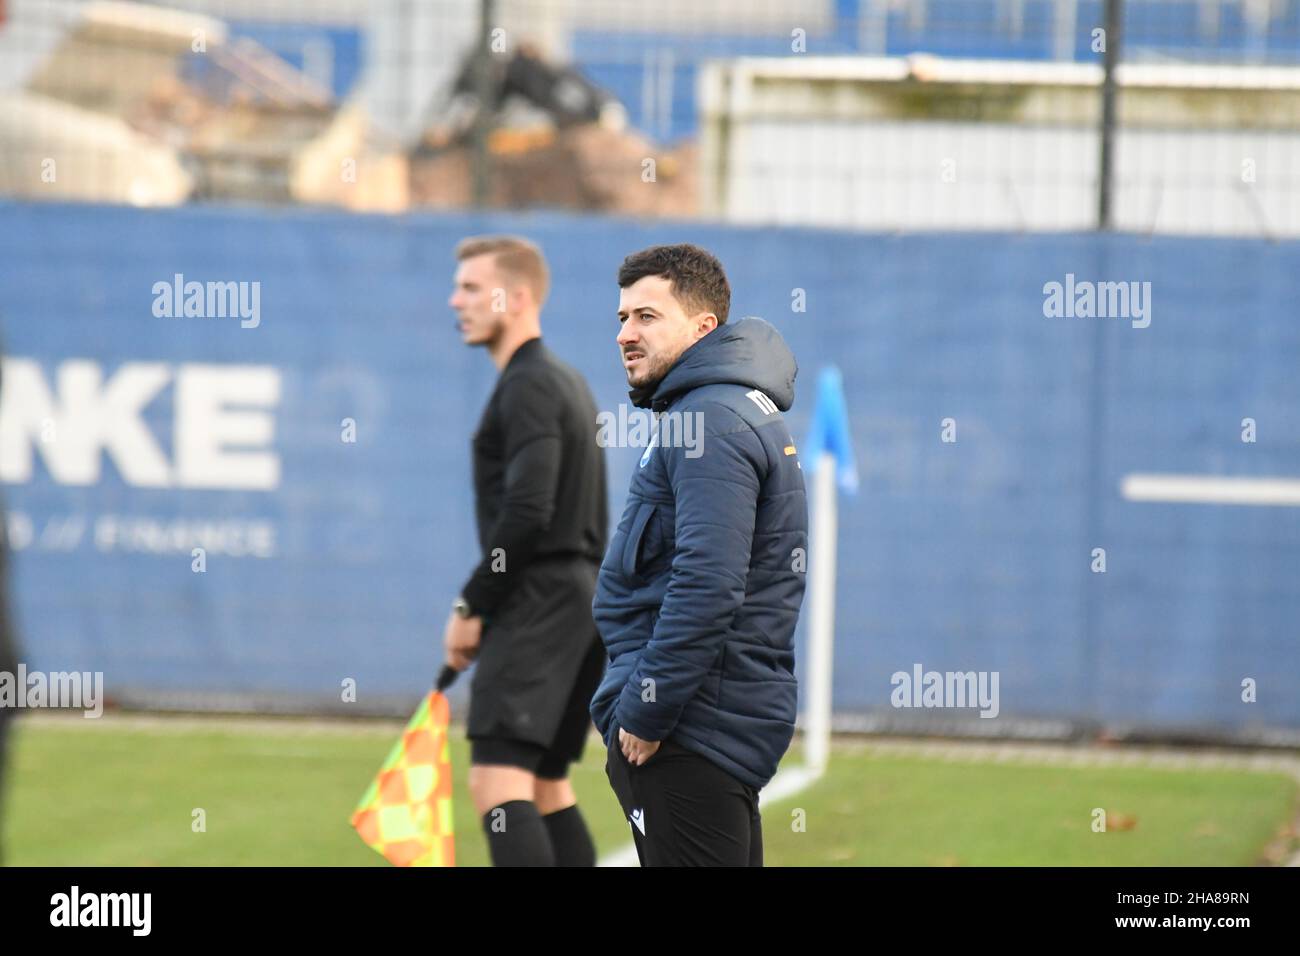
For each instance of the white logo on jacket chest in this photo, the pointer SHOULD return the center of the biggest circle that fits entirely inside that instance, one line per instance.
(645, 455)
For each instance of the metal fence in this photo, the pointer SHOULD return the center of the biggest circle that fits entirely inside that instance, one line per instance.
(864, 114)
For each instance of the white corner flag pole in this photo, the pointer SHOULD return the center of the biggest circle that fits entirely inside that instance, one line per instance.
(821, 617)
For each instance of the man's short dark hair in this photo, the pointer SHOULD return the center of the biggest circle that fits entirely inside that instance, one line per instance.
(698, 281)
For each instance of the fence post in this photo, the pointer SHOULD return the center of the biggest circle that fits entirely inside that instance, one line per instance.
(482, 174)
(1114, 15)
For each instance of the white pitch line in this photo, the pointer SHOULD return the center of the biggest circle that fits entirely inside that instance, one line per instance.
(1211, 489)
(786, 784)
(624, 856)
(781, 787)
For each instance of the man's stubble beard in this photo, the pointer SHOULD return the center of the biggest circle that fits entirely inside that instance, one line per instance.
(659, 367)
(492, 335)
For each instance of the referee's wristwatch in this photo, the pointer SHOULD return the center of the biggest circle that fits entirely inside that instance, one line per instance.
(461, 608)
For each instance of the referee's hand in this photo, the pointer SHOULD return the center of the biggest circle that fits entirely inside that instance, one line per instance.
(636, 750)
(461, 639)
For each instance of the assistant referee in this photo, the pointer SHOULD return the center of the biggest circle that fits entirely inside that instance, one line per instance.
(525, 613)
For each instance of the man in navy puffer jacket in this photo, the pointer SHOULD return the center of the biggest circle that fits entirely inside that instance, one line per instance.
(700, 589)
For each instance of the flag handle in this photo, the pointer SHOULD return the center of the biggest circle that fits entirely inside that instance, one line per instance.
(446, 678)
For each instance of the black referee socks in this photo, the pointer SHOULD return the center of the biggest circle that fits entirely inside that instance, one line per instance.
(517, 836)
(570, 837)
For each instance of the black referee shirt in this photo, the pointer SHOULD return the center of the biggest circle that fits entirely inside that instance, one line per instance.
(539, 475)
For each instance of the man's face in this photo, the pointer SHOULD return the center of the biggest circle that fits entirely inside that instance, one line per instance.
(655, 329)
(480, 300)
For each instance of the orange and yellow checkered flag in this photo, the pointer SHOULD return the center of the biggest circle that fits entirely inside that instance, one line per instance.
(406, 812)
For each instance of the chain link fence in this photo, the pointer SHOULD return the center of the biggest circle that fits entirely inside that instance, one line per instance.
(860, 114)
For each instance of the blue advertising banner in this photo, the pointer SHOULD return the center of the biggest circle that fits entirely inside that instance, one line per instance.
(234, 448)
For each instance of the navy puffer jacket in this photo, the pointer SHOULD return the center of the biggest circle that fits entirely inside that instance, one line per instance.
(699, 592)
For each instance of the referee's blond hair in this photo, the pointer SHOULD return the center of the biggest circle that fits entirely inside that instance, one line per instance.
(515, 256)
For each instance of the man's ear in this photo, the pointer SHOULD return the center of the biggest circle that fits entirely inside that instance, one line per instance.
(705, 323)
(520, 298)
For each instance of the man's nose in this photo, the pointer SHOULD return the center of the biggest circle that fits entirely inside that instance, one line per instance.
(626, 335)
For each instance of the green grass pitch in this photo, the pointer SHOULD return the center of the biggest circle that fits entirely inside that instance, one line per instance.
(122, 792)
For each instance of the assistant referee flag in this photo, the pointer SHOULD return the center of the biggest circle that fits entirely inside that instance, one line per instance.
(405, 814)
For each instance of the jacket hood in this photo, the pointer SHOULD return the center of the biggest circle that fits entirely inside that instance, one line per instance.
(746, 352)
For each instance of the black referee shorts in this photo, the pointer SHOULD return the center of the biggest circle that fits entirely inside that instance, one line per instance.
(539, 664)
(685, 810)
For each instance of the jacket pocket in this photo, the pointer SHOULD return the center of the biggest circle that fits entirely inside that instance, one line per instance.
(634, 549)
(713, 680)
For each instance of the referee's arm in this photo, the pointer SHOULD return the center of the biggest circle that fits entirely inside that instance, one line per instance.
(533, 448)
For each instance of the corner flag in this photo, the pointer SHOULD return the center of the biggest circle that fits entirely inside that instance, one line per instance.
(830, 431)
(830, 450)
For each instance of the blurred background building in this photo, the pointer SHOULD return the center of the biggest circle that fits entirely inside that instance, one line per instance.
(833, 113)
